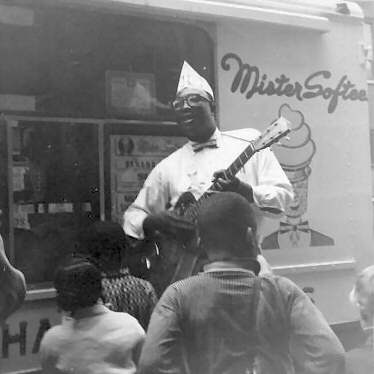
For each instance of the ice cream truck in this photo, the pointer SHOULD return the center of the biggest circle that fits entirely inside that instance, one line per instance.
(85, 87)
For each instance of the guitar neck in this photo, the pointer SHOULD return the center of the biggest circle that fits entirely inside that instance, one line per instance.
(239, 162)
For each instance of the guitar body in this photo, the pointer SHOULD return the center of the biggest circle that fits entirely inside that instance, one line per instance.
(188, 263)
(174, 261)
(184, 202)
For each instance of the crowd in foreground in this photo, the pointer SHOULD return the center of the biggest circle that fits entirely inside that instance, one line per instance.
(234, 317)
(231, 318)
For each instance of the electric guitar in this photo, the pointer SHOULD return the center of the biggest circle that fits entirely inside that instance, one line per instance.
(187, 254)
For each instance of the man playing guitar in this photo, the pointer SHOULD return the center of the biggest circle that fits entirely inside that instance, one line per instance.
(201, 161)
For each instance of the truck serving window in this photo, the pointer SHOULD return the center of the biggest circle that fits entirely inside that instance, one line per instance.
(66, 71)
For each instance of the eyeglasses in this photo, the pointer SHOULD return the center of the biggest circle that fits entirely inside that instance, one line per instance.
(191, 100)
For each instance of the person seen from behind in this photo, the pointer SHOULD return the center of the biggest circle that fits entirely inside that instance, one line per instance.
(361, 360)
(104, 243)
(91, 338)
(230, 320)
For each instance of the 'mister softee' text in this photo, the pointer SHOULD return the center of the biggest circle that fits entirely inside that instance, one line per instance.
(249, 81)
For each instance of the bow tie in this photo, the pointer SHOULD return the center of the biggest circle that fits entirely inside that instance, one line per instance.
(286, 227)
(211, 143)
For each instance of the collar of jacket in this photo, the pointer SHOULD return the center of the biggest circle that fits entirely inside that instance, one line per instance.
(241, 264)
(91, 311)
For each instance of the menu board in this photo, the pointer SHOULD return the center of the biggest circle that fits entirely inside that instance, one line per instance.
(132, 157)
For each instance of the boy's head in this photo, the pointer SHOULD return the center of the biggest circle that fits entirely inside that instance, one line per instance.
(227, 226)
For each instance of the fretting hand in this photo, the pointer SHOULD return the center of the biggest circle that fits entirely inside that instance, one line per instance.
(223, 182)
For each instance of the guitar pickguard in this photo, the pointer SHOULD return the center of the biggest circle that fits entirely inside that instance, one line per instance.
(187, 204)
(184, 202)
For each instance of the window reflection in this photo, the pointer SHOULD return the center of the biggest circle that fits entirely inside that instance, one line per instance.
(85, 64)
(55, 192)
(77, 64)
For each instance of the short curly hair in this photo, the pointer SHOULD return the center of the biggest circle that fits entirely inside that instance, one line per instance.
(363, 294)
(104, 244)
(78, 284)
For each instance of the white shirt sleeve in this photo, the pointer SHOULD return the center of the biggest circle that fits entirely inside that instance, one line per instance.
(272, 191)
(152, 198)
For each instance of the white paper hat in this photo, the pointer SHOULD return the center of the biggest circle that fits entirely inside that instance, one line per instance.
(189, 78)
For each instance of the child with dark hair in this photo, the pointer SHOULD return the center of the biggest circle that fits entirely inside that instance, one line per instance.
(91, 338)
(104, 243)
(78, 285)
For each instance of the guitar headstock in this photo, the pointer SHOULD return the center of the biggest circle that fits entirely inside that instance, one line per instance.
(277, 130)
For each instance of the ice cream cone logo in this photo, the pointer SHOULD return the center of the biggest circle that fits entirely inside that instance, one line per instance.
(295, 157)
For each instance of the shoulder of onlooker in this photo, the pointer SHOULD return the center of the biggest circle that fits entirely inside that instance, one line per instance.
(179, 291)
(142, 284)
(149, 291)
(51, 337)
(125, 321)
(146, 284)
(286, 287)
(283, 282)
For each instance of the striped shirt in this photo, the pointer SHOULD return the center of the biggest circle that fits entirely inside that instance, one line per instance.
(202, 322)
(122, 292)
